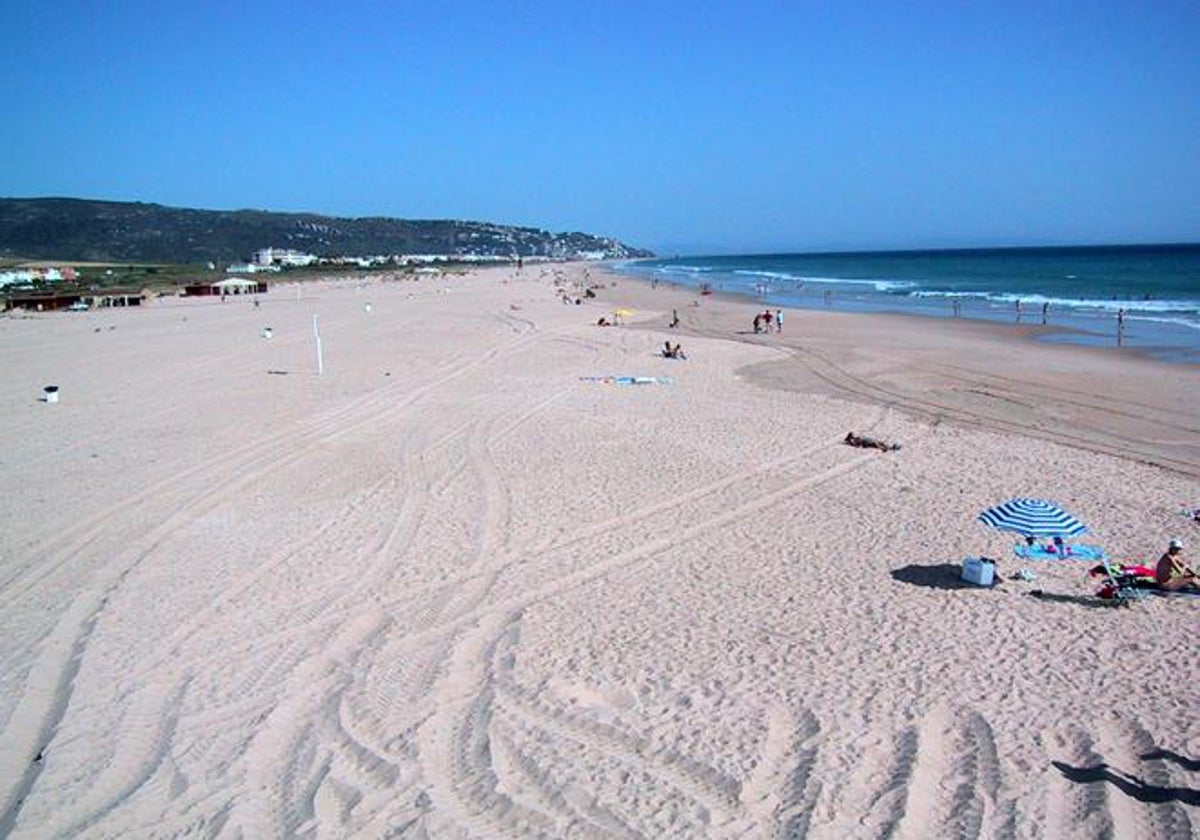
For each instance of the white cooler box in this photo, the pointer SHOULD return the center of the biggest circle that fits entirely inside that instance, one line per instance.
(979, 571)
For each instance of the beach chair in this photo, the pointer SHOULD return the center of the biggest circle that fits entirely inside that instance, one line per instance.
(1123, 583)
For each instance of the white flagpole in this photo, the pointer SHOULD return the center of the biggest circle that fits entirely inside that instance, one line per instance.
(320, 356)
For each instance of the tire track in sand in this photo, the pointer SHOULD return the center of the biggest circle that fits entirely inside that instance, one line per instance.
(271, 756)
(558, 584)
(218, 476)
(246, 464)
(781, 793)
(701, 784)
(46, 693)
(455, 741)
(1099, 442)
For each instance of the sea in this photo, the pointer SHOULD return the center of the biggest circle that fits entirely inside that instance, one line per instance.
(1138, 296)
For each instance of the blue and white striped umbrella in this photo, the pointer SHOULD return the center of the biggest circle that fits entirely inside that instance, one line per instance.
(1033, 518)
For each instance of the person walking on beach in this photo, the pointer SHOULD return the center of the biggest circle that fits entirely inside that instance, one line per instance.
(778, 320)
(674, 319)
(757, 324)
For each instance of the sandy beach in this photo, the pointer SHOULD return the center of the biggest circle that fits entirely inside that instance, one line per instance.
(465, 584)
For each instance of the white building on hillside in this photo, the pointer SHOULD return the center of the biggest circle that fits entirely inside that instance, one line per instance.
(249, 268)
(283, 256)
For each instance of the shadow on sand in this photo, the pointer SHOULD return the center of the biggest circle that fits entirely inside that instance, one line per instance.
(1131, 786)
(941, 576)
(1189, 764)
(1092, 602)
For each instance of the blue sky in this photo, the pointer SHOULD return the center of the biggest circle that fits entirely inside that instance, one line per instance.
(684, 127)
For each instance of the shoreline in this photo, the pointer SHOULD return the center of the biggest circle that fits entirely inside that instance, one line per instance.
(1170, 408)
(1076, 328)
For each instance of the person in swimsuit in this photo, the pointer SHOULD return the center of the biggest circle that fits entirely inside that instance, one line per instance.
(864, 442)
(1172, 574)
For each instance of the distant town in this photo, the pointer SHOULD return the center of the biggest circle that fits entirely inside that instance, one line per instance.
(278, 259)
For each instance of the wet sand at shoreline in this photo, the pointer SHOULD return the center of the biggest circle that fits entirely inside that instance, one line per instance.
(976, 373)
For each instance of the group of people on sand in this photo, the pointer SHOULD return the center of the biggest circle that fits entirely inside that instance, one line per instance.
(673, 351)
(764, 320)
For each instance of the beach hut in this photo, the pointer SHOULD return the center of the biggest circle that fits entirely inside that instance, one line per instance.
(228, 286)
(106, 298)
(40, 301)
(238, 286)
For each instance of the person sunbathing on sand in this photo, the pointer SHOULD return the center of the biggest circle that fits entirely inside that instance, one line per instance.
(864, 442)
(673, 351)
(1172, 574)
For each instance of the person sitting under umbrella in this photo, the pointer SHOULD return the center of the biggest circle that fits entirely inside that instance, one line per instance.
(1054, 546)
(1172, 574)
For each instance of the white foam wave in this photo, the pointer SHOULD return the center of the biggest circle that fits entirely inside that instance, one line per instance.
(877, 285)
(796, 279)
(928, 294)
(1179, 322)
(770, 275)
(683, 269)
(1187, 307)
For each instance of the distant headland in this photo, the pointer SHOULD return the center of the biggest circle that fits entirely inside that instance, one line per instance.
(119, 231)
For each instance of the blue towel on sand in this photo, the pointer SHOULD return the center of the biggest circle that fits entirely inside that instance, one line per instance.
(1077, 551)
(630, 380)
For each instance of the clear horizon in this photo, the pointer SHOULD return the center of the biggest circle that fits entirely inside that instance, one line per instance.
(659, 255)
(769, 129)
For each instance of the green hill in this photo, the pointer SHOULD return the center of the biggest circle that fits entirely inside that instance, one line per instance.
(114, 231)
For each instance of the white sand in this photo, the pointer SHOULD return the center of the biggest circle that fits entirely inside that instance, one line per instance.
(451, 589)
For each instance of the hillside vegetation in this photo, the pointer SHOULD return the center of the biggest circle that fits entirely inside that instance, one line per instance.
(113, 231)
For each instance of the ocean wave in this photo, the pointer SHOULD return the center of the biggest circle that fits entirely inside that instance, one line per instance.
(926, 293)
(1184, 307)
(798, 279)
(1179, 322)
(683, 269)
(785, 282)
(770, 275)
(877, 285)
